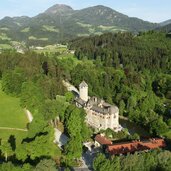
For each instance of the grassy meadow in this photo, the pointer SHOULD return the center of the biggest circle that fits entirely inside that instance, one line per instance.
(11, 115)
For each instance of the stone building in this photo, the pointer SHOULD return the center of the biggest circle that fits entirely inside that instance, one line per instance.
(100, 114)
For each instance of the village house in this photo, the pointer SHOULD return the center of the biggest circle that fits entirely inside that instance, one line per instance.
(101, 140)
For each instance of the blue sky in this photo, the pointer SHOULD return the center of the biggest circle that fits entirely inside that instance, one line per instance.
(150, 10)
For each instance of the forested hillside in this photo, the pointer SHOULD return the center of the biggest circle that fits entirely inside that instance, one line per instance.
(150, 50)
(166, 28)
(36, 80)
(131, 71)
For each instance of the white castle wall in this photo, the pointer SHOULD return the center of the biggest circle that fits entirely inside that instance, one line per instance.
(101, 121)
(95, 119)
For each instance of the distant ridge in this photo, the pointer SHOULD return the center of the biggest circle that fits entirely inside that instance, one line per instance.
(60, 22)
(165, 28)
(165, 23)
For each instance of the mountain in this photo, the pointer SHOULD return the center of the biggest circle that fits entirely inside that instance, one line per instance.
(59, 9)
(165, 28)
(61, 22)
(165, 23)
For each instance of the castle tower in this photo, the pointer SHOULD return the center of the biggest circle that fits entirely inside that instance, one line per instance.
(83, 89)
(114, 119)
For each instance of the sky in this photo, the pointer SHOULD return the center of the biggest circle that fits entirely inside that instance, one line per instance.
(149, 10)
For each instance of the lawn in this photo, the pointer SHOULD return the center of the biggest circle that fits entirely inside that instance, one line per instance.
(11, 114)
(5, 46)
(19, 135)
(52, 49)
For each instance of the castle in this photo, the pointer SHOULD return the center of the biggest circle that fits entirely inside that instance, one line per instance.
(100, 114)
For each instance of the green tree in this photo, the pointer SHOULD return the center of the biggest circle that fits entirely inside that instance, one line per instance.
(31, 96)
(6, 149)
(37, 126)
(69, 96)
(9, 167)
(21, 152)
(73, 122)
(46, 165)
(115, 164)
(73, 148)
(121, 107)
(12, 81)
(49, 109)
(101, 163)
(98, 161)
(158, 127)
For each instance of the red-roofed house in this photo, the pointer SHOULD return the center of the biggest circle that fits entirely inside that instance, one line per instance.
(101, 140)
(130, 147)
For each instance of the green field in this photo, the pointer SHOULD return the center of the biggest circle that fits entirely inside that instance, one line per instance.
(5, 46)
(11, 115)
(52, 49)
(50, 28)
(19, 135)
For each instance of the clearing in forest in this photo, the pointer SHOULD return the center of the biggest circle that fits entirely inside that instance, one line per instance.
(11, 114)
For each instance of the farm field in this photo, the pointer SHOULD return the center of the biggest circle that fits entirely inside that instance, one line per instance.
(52, 49)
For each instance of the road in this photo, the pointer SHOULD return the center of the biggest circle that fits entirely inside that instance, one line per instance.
(70, 87)
(87, 161)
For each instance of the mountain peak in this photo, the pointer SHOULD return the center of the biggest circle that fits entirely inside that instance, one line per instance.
(59, 9)
(60, 22)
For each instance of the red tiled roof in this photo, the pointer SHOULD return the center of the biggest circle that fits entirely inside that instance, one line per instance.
(103, 140)
(135, 146)
(155, 143)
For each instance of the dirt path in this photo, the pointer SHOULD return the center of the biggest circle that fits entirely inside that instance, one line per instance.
(70, 87)
(15, 129)
(29, 115)
(124, 118)
(30, 118)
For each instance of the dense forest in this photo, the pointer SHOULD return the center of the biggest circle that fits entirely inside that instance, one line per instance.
(155, 160)
(37, 80)
(131, 71)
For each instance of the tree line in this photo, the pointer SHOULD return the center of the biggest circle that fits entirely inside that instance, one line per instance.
(151, 161)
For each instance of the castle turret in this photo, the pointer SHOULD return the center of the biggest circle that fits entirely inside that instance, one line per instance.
(83, 89)
(114, 113)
